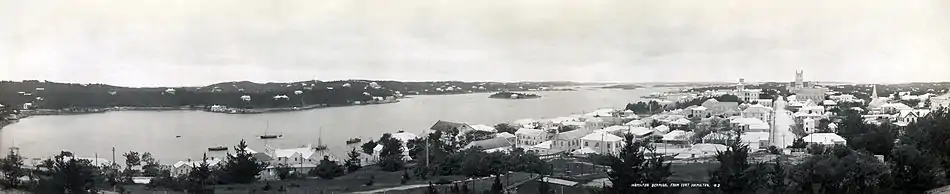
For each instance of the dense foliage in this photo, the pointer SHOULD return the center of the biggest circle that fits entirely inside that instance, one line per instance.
(633, 165)
(66, 95)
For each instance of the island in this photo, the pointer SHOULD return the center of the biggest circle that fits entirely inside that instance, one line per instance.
(512, 95)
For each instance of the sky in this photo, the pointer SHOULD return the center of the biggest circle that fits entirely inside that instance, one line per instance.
(201, 42)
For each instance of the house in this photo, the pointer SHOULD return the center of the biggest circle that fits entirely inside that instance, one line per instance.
(824, 139)
(910, 116)
(759, 112)
(484, 128)
(749, 124)
(661, 129)
(749, 95)
(810, 125)
(530, 137)
(569, 141)
(755, 140)
(640, 132)
(676, 136)
(617, 130)
(451, 127)
(893, 108)
(603, 142)
(699, 111)
(490, 144)
(637, 123)
(716, 108)
(301, 159)
(506, 135)
(182, 168)
(765, 102)
(542, 148)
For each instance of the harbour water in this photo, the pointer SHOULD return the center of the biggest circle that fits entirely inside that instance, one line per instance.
(91, 135)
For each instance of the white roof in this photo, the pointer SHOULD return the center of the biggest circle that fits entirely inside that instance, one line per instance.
(829, 102)
(823, 138)
(758, 107)
(544, 145)
(662, 128)
(305, 152)
(899, 106)
(602, 136)
(754, 136)
(614, 128)
(505, 135)
(699, 108)
(211, 162)
(759, 126)
(559, 181)
(573, 123)
(675, 135)
(141, 180)
(483, 128)
(681, 121)
(526, 131)
(640, 131)
(405, 136)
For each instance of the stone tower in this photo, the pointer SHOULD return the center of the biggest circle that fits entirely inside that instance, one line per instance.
(741, 86)
(799, 79)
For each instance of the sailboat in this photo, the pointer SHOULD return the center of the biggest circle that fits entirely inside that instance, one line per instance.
(320, 146)
(266, 136)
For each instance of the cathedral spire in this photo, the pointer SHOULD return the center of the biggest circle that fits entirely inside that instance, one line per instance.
(874, 91)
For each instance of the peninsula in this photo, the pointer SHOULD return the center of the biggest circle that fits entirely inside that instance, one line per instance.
(513, 95)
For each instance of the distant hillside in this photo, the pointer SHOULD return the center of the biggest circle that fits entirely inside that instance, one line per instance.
(65, 95)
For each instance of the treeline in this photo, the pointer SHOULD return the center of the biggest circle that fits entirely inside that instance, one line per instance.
(50, 95)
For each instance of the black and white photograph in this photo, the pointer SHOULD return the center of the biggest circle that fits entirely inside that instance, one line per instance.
(474, 97)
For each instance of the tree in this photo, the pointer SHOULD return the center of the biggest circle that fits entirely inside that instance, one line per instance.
(735, 174)
(633, 165)
(505, 128)
(777, 178)
(150, 167)
(911, 170)
(328, 169)
(132, 160)
(405, 177)
(11, 167)
(241, 166)
(64, 174)
(283, 171)
(476, 135)
(199, 176)
(496, 186)
(391, 156)
(838, 170)
(352, 163)
(368, 147)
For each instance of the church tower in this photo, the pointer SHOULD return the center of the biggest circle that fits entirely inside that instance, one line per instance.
(874, 92)
(799, 79)
(741, 86)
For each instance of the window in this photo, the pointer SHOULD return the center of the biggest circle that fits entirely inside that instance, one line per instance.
(295, 159)
(597, 145)
(586, 144)
(608, 146)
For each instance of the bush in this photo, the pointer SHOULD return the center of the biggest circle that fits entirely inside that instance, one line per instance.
(774, 150)
(443, 181)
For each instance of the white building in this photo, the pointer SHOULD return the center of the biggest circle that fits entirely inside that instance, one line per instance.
(603, 143)
(813, 94)
(756, 140)
(182, 168)
(824, 139)
(810, 125)
(569, 141)
(530, 137)
(758, 111)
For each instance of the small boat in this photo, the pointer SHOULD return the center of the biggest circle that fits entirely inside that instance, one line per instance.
(178, 136)
(353, 140)
(218, 148)
(266, 136)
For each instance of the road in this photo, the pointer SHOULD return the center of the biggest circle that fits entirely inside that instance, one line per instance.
(782, 135)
